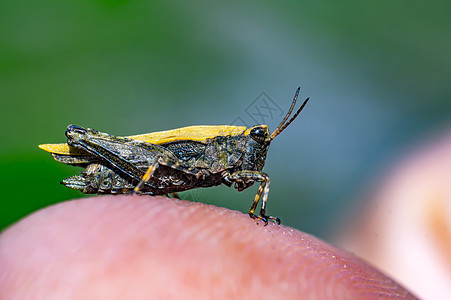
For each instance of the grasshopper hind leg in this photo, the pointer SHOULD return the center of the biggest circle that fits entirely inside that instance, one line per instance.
(145, 179)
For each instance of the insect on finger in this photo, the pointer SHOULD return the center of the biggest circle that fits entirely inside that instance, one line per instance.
(171, 161)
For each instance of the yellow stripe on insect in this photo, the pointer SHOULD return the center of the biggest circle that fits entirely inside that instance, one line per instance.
(191, 133)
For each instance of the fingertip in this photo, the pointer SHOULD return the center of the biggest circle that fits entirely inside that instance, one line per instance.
(158, 247)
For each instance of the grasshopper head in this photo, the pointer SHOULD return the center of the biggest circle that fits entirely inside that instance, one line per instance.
(259, 133)
(76, 134)
(284, 122)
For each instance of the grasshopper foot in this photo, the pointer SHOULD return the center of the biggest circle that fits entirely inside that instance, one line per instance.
(276, 220)
(265, 218)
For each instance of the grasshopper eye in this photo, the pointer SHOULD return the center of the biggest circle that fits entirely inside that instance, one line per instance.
(259, 134)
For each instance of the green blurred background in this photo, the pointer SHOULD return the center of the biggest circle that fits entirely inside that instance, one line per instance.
(378, 74)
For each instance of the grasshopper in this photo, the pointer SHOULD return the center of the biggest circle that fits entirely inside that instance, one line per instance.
(172, 161)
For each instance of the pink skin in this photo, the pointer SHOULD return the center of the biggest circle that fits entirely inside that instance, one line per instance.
(141, 247)
(405, 228)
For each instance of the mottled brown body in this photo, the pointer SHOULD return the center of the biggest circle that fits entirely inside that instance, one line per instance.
(120, 165)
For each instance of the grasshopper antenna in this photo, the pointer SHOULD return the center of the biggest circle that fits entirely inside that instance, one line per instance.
(284, 125)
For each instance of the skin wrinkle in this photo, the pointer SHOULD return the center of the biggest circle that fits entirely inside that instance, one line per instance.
(291, 253)
(201, 231)
(373, 286)
(213, 247)
(327, 254)
(357, 277)
(151, 215)
(371, 283)
(207, 233)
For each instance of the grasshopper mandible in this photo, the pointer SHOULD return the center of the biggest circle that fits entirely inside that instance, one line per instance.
(172, 161)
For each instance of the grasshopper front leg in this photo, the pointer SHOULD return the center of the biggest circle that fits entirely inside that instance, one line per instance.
(244, 179)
